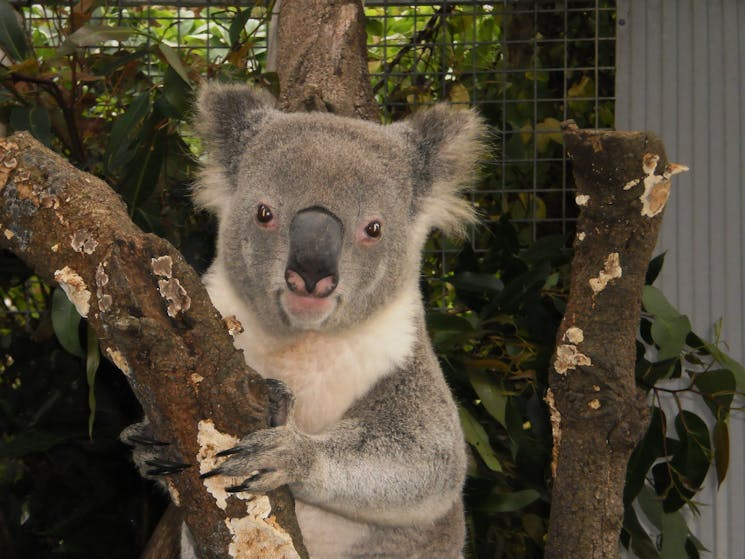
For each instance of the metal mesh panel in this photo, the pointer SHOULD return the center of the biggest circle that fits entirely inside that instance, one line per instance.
(526, 65)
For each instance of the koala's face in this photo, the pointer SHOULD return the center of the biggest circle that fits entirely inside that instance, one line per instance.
(322, 218)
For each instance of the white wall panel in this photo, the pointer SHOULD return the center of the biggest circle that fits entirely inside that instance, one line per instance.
(681, 74)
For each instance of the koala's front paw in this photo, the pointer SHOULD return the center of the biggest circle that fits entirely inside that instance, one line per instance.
(266, 459)
(148, 453)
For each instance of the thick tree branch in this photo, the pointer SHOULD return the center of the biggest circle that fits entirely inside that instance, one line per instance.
(597, 414)
(154, 320)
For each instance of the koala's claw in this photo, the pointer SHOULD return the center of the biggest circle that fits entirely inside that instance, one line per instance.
(165, 467)
(230, 451)
(211, 473)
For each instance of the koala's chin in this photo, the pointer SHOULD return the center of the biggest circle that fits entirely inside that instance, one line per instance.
(307, 312)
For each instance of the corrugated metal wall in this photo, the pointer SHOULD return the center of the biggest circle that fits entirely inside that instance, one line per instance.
(681, 73)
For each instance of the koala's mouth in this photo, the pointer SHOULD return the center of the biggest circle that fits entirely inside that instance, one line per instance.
(306, 311)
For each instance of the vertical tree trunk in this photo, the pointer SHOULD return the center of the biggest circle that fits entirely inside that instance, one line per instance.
(322, 58)
(597, 414)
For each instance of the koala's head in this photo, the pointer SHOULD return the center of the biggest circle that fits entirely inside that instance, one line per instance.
(322, 218)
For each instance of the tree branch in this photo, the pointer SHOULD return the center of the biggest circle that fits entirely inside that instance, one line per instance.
(154, 320)
(597, 413)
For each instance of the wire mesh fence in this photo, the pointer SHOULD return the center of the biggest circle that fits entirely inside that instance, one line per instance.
(526, 65)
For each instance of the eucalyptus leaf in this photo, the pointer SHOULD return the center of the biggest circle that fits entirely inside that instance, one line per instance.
(237, 25)
(65, 321)
(477, 283)
(509, 502)
(641, 544)
(12, 36)
(649, 449)
(477, 437)
(670, 328)
(651, 506)
(674, 536)
(718, 390)
(119, 150)
(35, 119)
(492, 398)
(93, 35)
(654, 268)
(175, 62)
(720, 438)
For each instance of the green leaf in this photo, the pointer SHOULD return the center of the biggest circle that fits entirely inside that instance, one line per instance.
(721, 449)
(118, 149)
(674, 535)
(237, 25)
(93, 35)
(477, 283)
(692, 460)
(727, 362)
(641, 543)
(65, 322)
(649, 449)
(34, 119)
(670, 328)
(477, 437)
(492, 398)
(651, 506)
(654, 268)
(12, 37)
(174, 61)
(92, 360)
(508, 502)
(718, 389)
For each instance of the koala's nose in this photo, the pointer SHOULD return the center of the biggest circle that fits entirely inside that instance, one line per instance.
(315, 245)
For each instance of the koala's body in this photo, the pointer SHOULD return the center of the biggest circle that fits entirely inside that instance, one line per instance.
(322, 220)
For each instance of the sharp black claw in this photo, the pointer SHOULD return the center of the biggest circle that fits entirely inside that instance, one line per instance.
(215, 472)
(165, 467)
(229, 451)
(146, 441)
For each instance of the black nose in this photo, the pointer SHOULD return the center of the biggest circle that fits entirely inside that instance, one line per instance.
(315, 245)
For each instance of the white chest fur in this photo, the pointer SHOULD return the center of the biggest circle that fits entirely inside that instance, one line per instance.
(326, 372)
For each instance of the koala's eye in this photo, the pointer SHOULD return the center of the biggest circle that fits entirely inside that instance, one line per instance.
(374, 229)
(264, 214)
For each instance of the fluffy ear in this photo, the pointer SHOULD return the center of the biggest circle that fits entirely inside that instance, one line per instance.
(448, 144)
(226, 117)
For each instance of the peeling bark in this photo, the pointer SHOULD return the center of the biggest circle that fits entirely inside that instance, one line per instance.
(154, 321)
(597, 413)
(322, 58)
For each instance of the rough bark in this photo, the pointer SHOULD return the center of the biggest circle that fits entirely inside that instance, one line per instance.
(322, 58)
(154, 320)
(597, 414)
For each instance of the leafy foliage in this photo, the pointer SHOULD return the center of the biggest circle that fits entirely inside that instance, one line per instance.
(115, 99)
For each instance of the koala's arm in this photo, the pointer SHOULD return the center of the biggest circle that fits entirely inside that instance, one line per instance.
(396, 457)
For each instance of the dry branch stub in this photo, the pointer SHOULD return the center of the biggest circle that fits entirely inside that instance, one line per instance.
(597, 414)
(154, 321)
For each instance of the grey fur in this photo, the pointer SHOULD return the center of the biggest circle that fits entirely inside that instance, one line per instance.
(372, 448)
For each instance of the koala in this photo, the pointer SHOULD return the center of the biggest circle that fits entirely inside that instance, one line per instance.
(321, 224)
